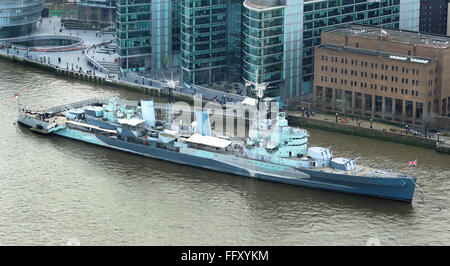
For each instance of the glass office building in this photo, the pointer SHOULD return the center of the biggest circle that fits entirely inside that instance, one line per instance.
(134, 33)
(19, 17)
(433, 16)
(176, 32)
(304, 21)
(204, 46)
(148, 34)
(410, 13)
(234, 71)
(97, 10)
(237, 41)
(263, 43)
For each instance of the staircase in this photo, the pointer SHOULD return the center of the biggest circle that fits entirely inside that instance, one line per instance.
(112, 67)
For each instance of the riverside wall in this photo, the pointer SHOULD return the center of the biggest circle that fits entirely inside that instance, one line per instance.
(362, 132)
(293, 120)
(153, 91)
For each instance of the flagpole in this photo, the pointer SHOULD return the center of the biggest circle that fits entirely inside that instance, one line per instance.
(16, 97)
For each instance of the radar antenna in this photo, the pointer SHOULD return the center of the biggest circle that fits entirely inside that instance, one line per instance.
(259, 89)
(171, 85)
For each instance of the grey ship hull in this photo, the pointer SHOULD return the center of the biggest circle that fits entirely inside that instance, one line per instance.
(390, 188)
(399, 188)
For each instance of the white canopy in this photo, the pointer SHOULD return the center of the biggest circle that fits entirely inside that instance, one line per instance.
(250, 101)
(209, 141)
(132, 122)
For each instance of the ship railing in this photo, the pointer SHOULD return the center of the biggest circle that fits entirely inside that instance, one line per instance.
(75, 105)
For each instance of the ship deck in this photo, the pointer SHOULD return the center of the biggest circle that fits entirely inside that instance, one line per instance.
(91, 126)
(360, 171)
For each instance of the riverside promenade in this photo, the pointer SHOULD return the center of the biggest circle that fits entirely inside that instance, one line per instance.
(371, 129)
(95, 59)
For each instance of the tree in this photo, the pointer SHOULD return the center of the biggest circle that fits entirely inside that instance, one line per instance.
(166, 62)
(428, 122)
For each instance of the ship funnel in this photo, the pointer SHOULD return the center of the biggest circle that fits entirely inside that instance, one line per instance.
(203, 126)
(148, 112)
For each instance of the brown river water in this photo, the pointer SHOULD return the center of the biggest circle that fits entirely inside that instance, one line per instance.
(54, 189)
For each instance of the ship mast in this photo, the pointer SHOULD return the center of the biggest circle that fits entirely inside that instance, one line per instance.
(259, 91)
(171, 84)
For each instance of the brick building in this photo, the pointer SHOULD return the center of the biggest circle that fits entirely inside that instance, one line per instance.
(395, 75)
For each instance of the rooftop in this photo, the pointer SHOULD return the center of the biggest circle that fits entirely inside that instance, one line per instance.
(403, 36)
(391, 56)
(131, 122)
(209, 141)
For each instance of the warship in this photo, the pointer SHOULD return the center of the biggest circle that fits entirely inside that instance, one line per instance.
(282, 155)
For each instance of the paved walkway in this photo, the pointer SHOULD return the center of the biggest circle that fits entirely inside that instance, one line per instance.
(366, 124)
(78, 61)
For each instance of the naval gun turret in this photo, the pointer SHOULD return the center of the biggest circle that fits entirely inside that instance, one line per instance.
(320, 157)
(323, 157)
(343, 164)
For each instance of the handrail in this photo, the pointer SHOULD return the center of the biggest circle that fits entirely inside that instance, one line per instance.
(94, 62)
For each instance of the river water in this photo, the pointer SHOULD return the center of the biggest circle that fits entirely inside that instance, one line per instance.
(54, 189)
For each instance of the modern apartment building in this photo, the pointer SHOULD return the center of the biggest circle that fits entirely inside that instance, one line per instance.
(395, 75)
(19, 17)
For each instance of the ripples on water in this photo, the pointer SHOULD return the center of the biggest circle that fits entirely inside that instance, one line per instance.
(53, 189)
